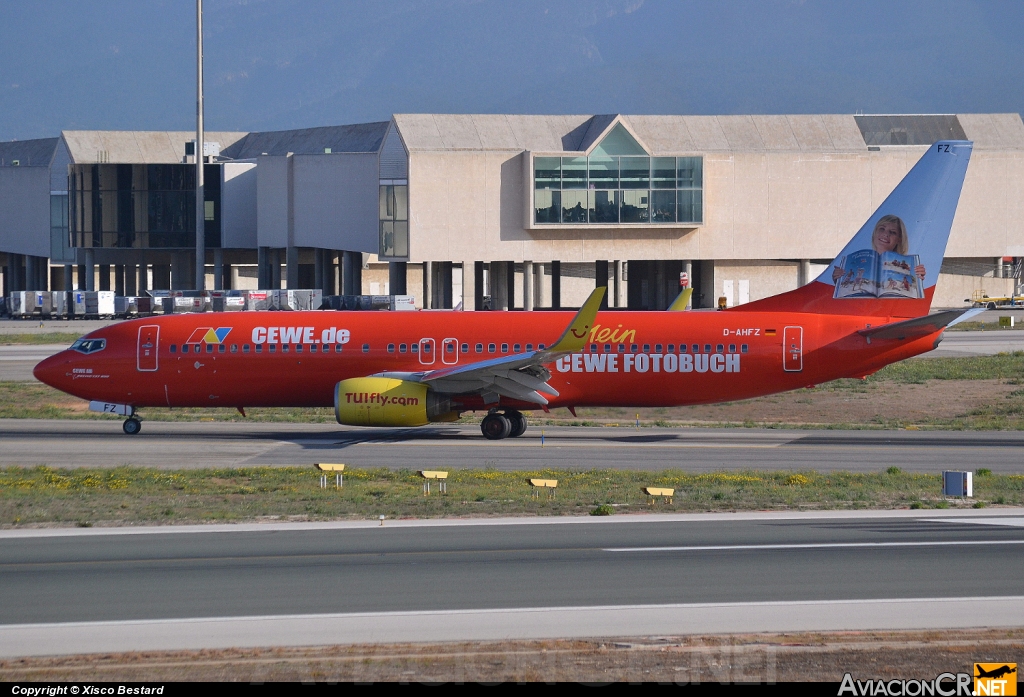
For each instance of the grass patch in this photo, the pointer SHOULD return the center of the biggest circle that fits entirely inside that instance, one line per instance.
(67, 338)
(134, 495)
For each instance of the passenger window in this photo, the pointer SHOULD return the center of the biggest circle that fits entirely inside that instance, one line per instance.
(245, 348)
(312, 348)
(657, 348)
(671, 348)
(337, 348)
(234, 348)
(529, 347)
(465, 348)
(402, 348)
(622, 348)
(426, 348)
(391, 348)
(209, 348)
(273, 348)
(743, 348)
(647, 348)
(732, 348)
(633, 348)
(449, 348)
(696, 348)
(490, 348)
(298, 348)
(720, 348)
(284, 348)
(504, 348)
(221, 348)
(707, 348)
(607, 348)
(540, 347)
(415, 348)
(593, 348)
(517, 348)
(479, 348)
(184, 348)
(366, 348)
(174, 348)
(259, 348)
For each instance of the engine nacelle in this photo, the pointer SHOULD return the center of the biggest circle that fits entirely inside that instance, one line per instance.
(389, 402)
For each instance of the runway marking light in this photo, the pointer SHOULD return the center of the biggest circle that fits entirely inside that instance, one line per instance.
(440, 476)
(337, 468)
(654, 491)
(539, 484)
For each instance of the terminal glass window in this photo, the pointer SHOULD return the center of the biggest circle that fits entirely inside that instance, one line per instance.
(394, 220)
(612, 189)
(139, 206)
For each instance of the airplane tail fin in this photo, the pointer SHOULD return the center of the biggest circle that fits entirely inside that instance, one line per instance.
(891, 265)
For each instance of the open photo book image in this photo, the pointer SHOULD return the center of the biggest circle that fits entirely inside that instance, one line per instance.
(870, 274)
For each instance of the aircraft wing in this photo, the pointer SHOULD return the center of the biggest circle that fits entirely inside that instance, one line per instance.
(919, 326)
(521, 376)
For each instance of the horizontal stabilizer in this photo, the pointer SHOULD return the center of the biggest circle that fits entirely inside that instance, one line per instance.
(919, 326)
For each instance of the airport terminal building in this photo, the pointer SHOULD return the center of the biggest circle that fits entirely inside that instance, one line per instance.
(500, 211)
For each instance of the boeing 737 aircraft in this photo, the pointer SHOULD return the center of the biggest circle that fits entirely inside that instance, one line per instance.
(868, 309)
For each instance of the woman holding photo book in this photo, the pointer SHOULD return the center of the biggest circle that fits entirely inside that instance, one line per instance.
(885, 270)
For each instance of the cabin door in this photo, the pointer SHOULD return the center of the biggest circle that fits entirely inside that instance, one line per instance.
(793, 349)
(146, 357)
(450, 351)
(427, 351)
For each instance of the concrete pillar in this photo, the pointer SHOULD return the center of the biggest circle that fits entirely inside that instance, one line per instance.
(104, 277)
(444, 285)
(218, 268)
(353, 273)
(262, 268)
(601, 279)
(469, 285)
(803, 276)
(528, 286)
(30, 273)
(119, 283)
(499, 285)
(275, 269)
(90, 270)
(227, 277)
(292, 266)
(556, 285)
(143, 279)
(318, 268)
(131, 273)
(540, 296)
(620, 283)
(428, 286)
(397, 277)
(1000, 268)
(688, 268)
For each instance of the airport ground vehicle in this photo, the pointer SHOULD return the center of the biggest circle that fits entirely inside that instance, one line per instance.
(869, 308)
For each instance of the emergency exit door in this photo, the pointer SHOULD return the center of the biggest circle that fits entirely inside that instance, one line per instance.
(793, 349)
(149, 338)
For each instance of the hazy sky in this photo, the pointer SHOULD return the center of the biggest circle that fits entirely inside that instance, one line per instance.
(275, 64)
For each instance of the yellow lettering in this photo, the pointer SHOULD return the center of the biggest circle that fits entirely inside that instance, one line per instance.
(593, 332)
(630, 333)
(604, 335)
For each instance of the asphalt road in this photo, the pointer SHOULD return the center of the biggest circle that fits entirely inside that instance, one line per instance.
(506, 578)
(71, 443)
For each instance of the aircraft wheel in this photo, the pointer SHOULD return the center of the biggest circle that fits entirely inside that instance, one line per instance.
(518, 422)
(991, 306)
(495, 427)
(131, 426)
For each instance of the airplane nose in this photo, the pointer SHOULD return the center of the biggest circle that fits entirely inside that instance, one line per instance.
(49, 371)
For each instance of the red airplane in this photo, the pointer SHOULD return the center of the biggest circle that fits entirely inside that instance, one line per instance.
(868, 309)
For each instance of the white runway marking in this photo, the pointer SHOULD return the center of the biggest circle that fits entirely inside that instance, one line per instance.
(817, 545)
(508, 623)
(1017, 522)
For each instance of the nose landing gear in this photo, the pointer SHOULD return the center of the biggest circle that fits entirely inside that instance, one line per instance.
(497, 425)
(132, 425)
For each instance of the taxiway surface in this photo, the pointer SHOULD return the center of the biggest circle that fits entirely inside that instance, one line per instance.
(336, 583)
(81, 443)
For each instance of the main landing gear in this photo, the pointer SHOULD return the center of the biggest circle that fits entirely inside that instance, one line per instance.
(497, 425)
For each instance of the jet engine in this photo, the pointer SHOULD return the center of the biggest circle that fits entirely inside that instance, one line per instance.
(378, 401)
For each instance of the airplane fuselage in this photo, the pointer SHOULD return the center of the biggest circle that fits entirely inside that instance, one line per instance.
(636, 359)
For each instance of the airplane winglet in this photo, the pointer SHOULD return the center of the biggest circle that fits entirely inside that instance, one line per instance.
(681, 301)
(575, 336)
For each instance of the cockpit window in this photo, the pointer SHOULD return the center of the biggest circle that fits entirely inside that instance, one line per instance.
(89, 345)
